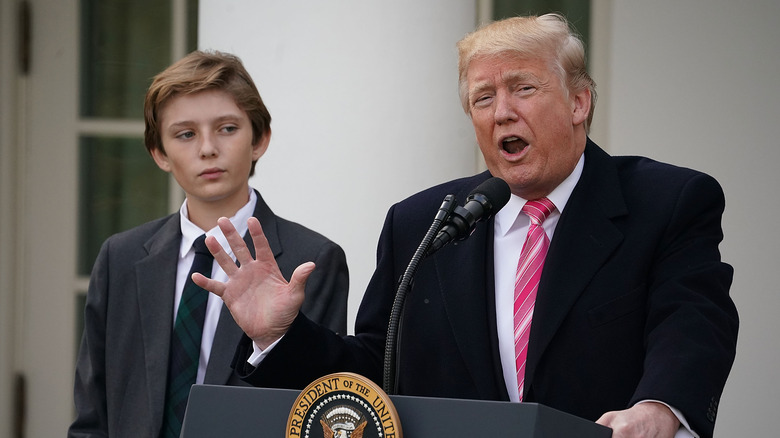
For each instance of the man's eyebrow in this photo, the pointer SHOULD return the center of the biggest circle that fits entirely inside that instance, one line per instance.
(480, 87)
(520, 76)
(507, 78)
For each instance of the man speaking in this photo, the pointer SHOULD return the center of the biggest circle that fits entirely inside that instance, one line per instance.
(597, 290)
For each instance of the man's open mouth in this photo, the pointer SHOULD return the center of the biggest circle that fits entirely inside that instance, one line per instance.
(513, 145)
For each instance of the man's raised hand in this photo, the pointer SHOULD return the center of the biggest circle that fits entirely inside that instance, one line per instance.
(261, 301)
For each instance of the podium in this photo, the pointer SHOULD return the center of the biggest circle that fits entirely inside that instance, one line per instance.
(237, 412)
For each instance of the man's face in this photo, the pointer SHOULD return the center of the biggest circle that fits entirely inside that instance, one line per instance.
(531, 133)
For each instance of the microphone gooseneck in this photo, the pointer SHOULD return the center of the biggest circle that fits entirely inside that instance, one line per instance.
(450, 223)
(388, 378)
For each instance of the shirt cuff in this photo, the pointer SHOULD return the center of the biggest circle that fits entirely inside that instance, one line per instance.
(259, 354)
(685, 430)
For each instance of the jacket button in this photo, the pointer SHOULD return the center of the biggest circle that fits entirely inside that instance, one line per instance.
(713, 410)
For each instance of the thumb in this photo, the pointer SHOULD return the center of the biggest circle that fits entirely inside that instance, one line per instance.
(301, 275)
(606, 419)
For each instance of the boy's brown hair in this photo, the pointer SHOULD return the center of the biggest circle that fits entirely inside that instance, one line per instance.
(201, 71)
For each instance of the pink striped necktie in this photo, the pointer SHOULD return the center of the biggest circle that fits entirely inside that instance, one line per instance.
(529, 270)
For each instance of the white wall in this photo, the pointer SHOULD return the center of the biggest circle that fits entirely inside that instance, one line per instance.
(365, 108)
(694, 82)
(364, 102)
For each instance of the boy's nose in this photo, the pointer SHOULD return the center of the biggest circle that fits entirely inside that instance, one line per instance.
(208, 147)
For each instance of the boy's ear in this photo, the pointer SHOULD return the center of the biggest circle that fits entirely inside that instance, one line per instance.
(259, 148)
(161, 159)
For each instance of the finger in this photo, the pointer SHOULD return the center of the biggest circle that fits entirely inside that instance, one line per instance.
(213, 286)
(225, 261)
(236, 242)
(263, 251)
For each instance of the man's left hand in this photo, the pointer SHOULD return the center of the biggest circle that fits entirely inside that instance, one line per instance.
(643, 420)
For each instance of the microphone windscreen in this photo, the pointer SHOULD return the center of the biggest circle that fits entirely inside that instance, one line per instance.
(496, 190)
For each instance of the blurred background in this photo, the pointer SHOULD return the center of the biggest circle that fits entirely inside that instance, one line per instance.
(365, 111)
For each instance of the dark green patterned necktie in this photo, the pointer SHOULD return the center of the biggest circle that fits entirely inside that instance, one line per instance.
(185, 342)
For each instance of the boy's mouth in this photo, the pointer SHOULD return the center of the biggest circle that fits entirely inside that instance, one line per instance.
(211, 172)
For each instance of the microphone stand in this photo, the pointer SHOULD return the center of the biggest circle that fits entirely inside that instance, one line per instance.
(388, 379)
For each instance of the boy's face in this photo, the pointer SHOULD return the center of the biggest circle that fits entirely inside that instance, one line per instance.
(208, 147)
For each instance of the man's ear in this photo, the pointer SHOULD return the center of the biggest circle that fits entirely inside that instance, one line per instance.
(161, 159)
(581, 106)
(259, 148)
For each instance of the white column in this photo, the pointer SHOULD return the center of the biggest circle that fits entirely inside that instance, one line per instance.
(694, 83)
(365, 107)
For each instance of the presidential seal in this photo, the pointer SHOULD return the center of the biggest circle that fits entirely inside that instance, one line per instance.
(343, 405)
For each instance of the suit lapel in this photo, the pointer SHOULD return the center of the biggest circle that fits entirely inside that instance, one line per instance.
(584, 238)
(268, 221)
(156, 279)
(226, 339)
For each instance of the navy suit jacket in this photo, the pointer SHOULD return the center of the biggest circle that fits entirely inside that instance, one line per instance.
(123, 361)
(632, 305)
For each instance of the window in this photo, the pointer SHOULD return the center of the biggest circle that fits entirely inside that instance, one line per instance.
(123, 44)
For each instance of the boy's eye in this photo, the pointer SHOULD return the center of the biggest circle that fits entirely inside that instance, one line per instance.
(230, 128)
(186, 135)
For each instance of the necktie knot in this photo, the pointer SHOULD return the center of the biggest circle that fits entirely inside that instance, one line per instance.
(538, 210)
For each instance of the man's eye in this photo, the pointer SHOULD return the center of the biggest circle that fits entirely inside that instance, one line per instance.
(482, 100)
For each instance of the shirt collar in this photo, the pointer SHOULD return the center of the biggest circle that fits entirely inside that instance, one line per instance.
(190, 231)
(507, 217)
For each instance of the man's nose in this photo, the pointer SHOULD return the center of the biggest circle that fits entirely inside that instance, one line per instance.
(505, 110)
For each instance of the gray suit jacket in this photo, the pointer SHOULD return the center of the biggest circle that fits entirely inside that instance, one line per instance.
(123, 360)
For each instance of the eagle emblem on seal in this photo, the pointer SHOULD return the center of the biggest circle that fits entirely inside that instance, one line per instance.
(342, 422)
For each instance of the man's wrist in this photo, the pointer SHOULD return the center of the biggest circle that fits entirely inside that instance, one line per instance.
(683, 427)
(259, 353)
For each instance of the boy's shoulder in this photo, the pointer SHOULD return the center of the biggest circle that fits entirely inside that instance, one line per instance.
(293, 232)
(167, 226)
(287, 231)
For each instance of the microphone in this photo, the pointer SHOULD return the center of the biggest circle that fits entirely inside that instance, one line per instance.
(481, 204)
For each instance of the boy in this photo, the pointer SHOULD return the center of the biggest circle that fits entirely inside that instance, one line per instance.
(207, 125)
